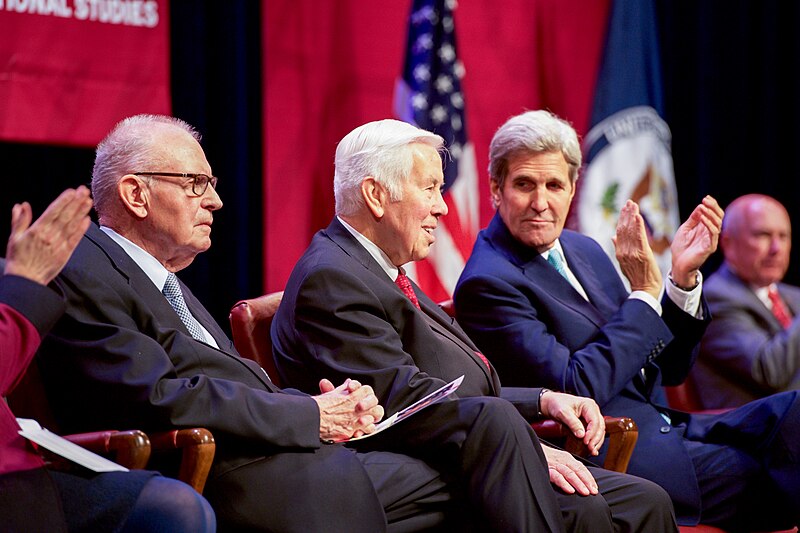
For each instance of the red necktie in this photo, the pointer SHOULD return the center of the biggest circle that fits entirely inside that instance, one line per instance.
(779, 308)
(404, 283)
(485, 361)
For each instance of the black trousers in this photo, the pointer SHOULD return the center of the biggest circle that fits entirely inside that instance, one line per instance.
(471, 463)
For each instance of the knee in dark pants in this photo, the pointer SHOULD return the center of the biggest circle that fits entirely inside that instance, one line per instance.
(169, 505)
(585, 514)
(635, 504)
(655, 506)
(496, 417)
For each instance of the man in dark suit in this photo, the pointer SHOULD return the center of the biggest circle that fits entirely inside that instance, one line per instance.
(548, 308)
(349, 309)
(125, 354)
(752, 347)
(31, 497)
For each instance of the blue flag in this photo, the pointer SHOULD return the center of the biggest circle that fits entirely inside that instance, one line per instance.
(627, 151)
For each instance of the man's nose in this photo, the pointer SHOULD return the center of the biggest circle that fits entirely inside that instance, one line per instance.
(440, 206)
(211, 199)
(539, 200)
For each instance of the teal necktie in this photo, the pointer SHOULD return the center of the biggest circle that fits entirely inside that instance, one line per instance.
(555, 259)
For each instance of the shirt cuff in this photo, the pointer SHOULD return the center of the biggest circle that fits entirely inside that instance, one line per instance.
(648, 299)
(689, 301)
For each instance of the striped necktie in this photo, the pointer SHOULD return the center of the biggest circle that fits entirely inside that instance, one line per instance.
(172, 291)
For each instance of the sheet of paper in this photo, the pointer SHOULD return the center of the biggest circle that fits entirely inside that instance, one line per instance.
(432, 398)
(32, 431)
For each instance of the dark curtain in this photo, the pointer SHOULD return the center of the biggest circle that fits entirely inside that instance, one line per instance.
(216, 86)
(732, 81)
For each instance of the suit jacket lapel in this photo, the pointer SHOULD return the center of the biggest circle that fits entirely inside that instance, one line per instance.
(152, 297)
(740, 291)
(445, 325)
(542, 274)
(345, 240)
(204, 317)
(594, 286)
(790, 297)
(433, 314)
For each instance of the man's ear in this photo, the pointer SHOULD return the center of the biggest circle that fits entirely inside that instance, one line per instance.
(494, 192)
(375, 196)
(134, 195)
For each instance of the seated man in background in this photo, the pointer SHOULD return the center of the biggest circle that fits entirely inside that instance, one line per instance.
(548, 308)
(350, 310)
(752, 347)
(135, 348)
(32, 498)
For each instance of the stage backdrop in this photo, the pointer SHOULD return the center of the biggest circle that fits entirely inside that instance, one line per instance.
(70, 69)
(330, 66)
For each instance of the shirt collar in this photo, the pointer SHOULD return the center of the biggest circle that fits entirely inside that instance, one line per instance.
(556, 246)
(763, 293)
(374, 250)
(149, 264)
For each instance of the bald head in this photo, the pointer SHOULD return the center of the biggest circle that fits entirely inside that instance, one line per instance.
(757, 239)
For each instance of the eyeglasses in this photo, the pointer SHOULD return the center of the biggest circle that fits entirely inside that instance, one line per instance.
(200, 182)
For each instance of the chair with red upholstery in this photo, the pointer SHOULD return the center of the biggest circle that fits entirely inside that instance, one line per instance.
(250, 323)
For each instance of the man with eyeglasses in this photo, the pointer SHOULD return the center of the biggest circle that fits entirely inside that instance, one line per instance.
(135, 348)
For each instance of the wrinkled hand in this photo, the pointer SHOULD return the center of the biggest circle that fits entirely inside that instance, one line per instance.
(39, 251)
(695, 241)
(567, 473)
(349, 410)
(635, 257)
(574, 412)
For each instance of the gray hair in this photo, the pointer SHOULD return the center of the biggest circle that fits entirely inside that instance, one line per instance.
(533, 132)
(381, 149)
(130, 147)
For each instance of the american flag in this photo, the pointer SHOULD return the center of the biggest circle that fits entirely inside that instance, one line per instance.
(429, 96)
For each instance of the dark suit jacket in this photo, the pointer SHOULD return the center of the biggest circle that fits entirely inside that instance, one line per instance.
(121, 357)
(342, 316)
(745, 354)
(538, 331)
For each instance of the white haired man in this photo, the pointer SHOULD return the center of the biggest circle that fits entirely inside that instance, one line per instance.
(349, 309)
(136, 348)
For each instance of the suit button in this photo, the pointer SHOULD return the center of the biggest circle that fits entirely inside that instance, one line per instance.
(665, 429)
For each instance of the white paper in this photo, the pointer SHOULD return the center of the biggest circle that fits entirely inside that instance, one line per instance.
(432, 398)
(32, 431)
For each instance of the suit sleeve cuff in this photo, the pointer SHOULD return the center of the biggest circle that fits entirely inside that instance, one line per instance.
(648, 299)
(41, 305)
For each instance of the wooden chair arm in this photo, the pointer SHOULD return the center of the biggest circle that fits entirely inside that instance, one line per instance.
(197, 448)
(622, 433)
(130, 449)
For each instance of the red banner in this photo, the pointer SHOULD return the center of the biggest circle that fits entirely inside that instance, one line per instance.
(330, 66)
(70, 69)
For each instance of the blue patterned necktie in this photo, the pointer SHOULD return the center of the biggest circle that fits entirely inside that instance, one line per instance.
(172, 291)
(555, 259)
